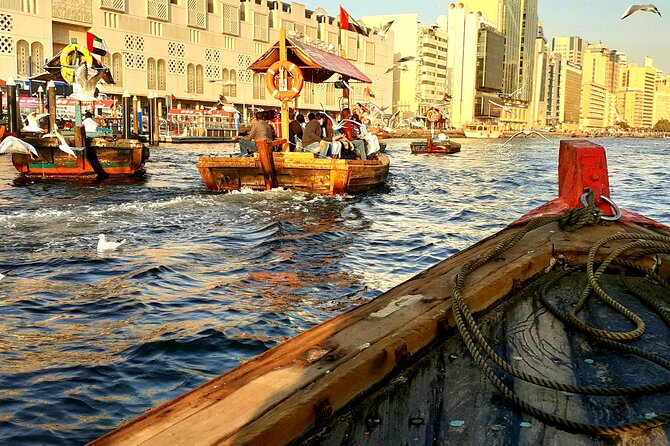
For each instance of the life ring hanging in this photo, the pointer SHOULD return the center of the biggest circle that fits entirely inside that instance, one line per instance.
(433, 115)
(68, 58)
(272, 80)
(3, 129)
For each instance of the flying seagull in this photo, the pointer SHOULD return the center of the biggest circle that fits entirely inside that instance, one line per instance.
(34, 122)
(410, 59)
(87, 82)
(64, 146)
(644, 8)
(12, 144)
(401, 67)
(105, 245)
(525, 133)
(504, 107)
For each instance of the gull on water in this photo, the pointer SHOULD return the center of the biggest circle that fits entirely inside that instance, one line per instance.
(34, 122)
(106, 245)
(12, 144)
(87, 81)
(644, 8)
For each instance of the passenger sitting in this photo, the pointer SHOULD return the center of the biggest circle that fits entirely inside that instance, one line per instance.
(442, 138)
(312, 135)
(351, 132)
(260, 129)
(371, 140)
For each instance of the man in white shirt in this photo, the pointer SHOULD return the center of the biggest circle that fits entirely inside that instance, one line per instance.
(89, 124)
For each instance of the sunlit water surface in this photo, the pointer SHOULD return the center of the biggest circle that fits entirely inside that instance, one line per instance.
(208, 280)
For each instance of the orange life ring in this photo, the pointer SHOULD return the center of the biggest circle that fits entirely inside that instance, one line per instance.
(272, 80)
(3, 129)
(433, 115)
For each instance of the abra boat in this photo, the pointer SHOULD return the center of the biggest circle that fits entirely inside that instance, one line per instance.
(189, 126)
(400, 369)
(102, 157)
(435, 146)
(482, 130)
(286, 66)
(293, 170)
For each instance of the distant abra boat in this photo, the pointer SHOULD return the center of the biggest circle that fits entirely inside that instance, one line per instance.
(435, 146)
(192, 126)
(482, 130)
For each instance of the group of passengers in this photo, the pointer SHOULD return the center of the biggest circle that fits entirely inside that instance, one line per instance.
(321, 135)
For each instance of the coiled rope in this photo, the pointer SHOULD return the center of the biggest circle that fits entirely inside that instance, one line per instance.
(482, 352)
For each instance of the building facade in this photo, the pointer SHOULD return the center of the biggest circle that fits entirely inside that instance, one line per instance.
(637, 94)
(600, 80)
(571, 48)
(192, 50)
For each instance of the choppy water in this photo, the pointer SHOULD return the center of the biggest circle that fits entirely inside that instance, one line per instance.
(207, 280)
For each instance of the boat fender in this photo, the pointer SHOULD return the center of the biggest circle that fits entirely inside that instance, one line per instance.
(272, 80)
(68, 58)
(433, 115)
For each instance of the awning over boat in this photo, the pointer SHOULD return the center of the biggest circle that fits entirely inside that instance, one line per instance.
(316, 65)
(53, 73)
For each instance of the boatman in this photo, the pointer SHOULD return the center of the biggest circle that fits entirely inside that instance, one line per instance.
(259, 130)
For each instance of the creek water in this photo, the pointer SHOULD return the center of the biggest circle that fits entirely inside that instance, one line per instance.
(208, 280)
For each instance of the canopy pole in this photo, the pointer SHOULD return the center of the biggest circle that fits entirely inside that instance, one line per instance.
(283, 57)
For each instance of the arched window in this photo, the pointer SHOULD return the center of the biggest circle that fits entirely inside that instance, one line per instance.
(22, 57)
(259, 85)
(190, 78)
(199, 80)
(117, 68)
(161, 75)
(37, 52)
(151, 73)
(233, 84)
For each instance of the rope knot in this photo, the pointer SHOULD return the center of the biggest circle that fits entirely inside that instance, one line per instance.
(576, 218)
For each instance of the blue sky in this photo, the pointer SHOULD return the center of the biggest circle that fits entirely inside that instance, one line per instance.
(642, 34)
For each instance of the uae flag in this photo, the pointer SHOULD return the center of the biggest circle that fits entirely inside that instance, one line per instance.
(349, 23)
(96, 45)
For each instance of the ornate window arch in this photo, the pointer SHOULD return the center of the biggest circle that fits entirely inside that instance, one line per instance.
(22, 58)
(151, 73)
(161, 75)
(232, 89)
(117, 68)
(199, 80)
(190, 78)
(37, 52)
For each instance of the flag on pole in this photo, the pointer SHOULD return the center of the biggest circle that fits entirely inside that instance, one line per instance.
(349, 23)
(369, 93)
(96, 45)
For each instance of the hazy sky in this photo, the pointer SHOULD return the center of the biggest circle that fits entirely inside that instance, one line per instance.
(642, 34)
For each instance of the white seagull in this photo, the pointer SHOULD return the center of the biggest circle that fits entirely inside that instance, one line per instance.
(525, 133)
(12, 144)
(87, 82)
(34, 122)
(644, 8)
(104, 245)
(4, 274)
(504, 107)
(410, 59)
(64, 146)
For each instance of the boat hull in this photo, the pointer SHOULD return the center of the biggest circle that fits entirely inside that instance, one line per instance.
(101, 158)
(482, 134)
(295, 170)
(420, 147)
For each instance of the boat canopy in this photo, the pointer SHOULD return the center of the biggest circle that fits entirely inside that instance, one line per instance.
(316, 65)
(53, 72)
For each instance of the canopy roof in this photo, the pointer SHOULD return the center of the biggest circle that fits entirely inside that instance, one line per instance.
(316, 65)
(53, 70)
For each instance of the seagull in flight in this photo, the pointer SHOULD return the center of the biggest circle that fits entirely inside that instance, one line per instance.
(107, 245)
(525, 133)
(64, 146)
(410, 59)
(12, 144)
(644, 8)
(87, 82)
(4, 274)
(504, 107)
(401, 67)
(34, 122)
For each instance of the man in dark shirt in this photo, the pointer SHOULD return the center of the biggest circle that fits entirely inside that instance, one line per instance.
(294, 129)
(311, 135)
(259, 130)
